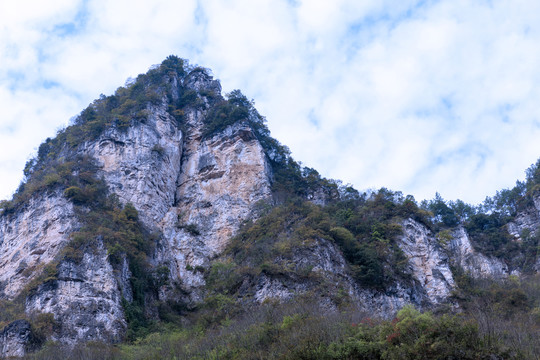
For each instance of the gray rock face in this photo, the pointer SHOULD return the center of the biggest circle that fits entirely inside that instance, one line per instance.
(194, 191)
(141, 165)
(429, 264)
(85, 300)
(221, 180)
(31, 238)
(15, 339)
(526, 221)
(476, 264)
(318, 260)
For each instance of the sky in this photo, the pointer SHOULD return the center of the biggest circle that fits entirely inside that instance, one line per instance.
(416, 96)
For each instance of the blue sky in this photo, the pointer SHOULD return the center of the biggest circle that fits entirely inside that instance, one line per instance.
(417, 96)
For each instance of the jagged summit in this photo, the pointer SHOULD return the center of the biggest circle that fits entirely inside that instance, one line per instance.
(167, 199)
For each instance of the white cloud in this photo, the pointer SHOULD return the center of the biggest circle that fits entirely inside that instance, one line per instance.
(415, 96)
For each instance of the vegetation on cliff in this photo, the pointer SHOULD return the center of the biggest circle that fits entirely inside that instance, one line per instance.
(499, 319)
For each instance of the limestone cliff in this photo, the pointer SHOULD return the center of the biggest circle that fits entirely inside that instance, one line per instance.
(193, 189)
(85, 300)
(16, 339)
(471, 261)
(31, 238)
(429, 263)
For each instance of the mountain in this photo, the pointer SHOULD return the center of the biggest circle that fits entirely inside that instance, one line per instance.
(167, 204)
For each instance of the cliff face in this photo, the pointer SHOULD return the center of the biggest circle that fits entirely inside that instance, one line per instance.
(429, 263)
(141, 165)
(15, 339)
(222, 178)
(471, 261)
(31, 238)
(85, 300)
(528, 220)
(193, 191)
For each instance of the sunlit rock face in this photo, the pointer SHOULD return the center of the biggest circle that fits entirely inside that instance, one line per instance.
(221, 181)
(195, 191)
(472, 262)
(142, 165)
(85, 300)
(31, 237)
(429, 263)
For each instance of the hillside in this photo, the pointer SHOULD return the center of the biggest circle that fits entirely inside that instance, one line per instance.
(166, 221)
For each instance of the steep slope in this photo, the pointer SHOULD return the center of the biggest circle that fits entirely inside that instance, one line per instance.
(31, 238)
(190, 191)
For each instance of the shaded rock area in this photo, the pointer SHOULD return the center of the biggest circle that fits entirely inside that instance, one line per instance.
(472, 262)
(16, 339)
(85, 300)
(32, 237)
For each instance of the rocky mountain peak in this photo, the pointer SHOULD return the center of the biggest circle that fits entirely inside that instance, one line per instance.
(168, 195)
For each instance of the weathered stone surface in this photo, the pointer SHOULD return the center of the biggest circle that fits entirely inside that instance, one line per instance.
(329, 267)
(142, 165)
(15, 339)
(527, 221)
(222, 179)
(32, 237)
(85, 300)
(429, 263)
(476, 264)
(319, 261)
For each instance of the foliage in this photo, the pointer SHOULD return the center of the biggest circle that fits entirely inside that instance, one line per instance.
(504, 311)
(373, 222)
(222, 115)
(490, 234)
(235, 109)
(304, 330)
(443, 213)
(54, 165)
(267, 245)
(364, 229)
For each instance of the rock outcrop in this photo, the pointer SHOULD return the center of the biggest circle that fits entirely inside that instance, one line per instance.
(431, 284)
(32, 237)
(85, 300)
(141, 164)
(222, 179)
(16, 339)
(429, 264)
(193, 191)
(472, 262)
(526, 222)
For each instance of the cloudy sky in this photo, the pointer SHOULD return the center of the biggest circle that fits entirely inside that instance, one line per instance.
(417, 96)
